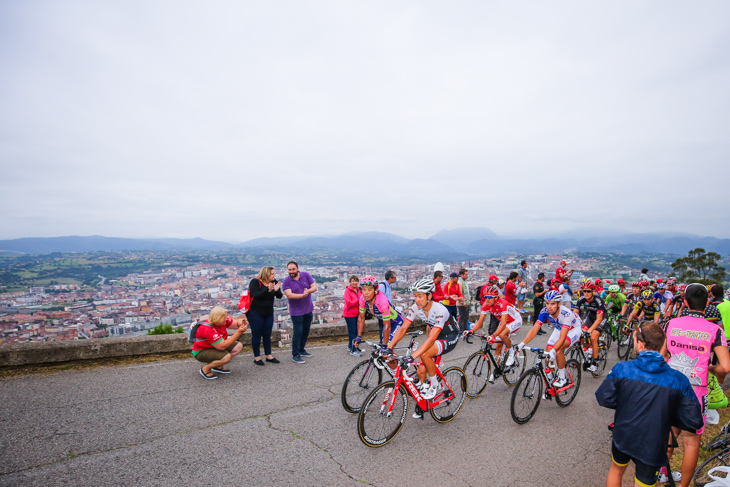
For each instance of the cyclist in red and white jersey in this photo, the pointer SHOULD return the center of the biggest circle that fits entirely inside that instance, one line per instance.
(510, 320)
(567, 330)
(443, 333)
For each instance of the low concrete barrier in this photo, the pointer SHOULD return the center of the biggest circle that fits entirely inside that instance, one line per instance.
(36, 353)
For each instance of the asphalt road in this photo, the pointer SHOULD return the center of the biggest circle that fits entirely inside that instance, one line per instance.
(163, 424)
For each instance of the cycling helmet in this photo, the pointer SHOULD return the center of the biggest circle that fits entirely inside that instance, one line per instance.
(644, 283)
(647, 294)
(661, 285)
(369, 281)
(501, 281)
(660, 280)
(493, 277)
(585, 279)
(588, 285)
(552, 296)
(682, 287)
(490, 291)
(423, 285)
(636, 284)
(613, 288)
(562, 263)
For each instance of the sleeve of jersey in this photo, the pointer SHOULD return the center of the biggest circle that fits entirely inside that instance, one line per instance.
(542, 317)
(361, 304)
(385, 308)
(412, 313)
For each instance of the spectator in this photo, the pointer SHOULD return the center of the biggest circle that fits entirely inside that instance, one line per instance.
(561, 271)
(566, 293)
(649, 398)
(298, 287)
(350, 313)
(387, 291)
(463, 308)
(643, 276)
(510, 289)
(538, 302)
(522, 286)
(213, 346)
(263, 289)
(438, 293)
(691, 339)
(452, 294)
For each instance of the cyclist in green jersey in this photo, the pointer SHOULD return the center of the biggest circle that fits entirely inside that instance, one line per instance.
(615, 299)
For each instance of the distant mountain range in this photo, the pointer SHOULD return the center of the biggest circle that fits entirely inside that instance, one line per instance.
(474, 242)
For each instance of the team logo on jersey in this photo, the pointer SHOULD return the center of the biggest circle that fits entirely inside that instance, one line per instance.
(686, 366)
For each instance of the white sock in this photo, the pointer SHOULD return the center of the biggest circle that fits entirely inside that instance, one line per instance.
(511, 352)
(561, 373)
(434, 380)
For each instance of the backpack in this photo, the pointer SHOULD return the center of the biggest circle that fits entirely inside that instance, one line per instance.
(193, 333)
(478, 293)
(244, 302)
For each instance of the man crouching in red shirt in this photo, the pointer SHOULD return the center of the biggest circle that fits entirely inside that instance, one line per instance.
(212, 344)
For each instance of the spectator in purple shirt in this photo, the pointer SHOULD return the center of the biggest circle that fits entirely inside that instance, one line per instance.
(298, 287)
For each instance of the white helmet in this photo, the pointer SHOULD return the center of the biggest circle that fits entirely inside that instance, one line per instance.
(423, 285)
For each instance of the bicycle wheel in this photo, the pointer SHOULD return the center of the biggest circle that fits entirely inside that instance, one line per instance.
(627, 349)
(719, 459)
(477, 369)
(608, 336)
(601, 365)
(447, 410)
(374, 425)
(573, 371)
(623, 345)
(526, 396)
(359, 383)
(513, 373)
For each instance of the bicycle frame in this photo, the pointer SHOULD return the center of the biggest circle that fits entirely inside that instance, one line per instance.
(486, 350)
(402, 378)
(541, 364)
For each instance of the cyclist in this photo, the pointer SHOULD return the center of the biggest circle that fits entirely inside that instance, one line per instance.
(646, 309)
(632, 299)
(599, 287)
(662, 297)
(442, 332)
(592, 311)
(510, 320)
(675, 307)
(567, 331)
(377, 303)
(615, 299)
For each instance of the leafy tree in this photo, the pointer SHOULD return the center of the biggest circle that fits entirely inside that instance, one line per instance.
(165, 329)
(699, 266)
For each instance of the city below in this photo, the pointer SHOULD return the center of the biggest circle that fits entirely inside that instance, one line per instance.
(175, 295)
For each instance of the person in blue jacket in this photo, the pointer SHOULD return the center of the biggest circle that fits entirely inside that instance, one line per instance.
(649, 398)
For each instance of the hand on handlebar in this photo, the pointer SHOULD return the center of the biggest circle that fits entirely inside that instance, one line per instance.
(406, 361)
(491, 339)
(386, 352)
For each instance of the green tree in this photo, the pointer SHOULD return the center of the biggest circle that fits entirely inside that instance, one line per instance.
(699, 266)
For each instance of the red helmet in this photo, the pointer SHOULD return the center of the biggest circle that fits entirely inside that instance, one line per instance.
(598, 281)
(490, 291)
(562, 263)
(493, 277)
(636, 284)
(621, 282)
(682, 287)
(607, 281)
(555, 281)
(659, 280)
(588, 285)
(644, 283)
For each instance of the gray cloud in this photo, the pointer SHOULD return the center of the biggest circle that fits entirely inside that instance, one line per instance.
(232, 121)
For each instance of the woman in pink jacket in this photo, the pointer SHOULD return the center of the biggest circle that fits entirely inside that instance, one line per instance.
(350, 313)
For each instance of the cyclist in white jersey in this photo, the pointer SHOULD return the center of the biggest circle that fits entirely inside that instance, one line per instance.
(567, 330)
(443, 333)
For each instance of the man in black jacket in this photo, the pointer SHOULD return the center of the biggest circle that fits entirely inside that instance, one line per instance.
(649, 398)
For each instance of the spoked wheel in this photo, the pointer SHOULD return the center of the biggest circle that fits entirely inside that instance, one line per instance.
(601, 365)
(572, 371)
(377, 422)
(526, 396)
(625, 354)
(513, 373)
(448, 410)
(608, 337)
(359, 383)
(477, 369)
(719, 459)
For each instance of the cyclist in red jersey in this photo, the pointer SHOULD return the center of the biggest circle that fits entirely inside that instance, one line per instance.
(510, 320)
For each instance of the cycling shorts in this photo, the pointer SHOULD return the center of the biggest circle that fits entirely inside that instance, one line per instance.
(515, 325)
(646, 475)
(447, 344)
(703, 396)
(573, 336)
(599, 328)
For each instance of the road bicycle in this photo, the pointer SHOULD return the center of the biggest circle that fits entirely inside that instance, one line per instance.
(528, 392)
(582, 351)
(384, 411)
(369, 373)
(478, 367)
(721, 458)
(614, 322)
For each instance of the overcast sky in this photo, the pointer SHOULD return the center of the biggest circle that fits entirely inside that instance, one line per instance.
(236, 120)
